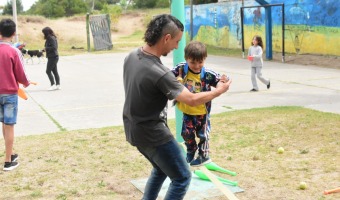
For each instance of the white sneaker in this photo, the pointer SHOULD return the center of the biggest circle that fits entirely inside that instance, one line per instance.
(53, 87)
(58, 87)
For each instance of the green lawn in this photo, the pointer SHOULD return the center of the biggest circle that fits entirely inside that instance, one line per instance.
(99, 163)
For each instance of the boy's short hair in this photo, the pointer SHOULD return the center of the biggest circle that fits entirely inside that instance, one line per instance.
(196, 51)
(7, 27)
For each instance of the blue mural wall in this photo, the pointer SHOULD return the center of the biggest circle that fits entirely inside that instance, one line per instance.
(311, 26)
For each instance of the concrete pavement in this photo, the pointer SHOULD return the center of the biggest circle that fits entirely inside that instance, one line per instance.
(92, 94)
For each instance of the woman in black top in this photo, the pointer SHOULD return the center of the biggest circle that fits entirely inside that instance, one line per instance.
(51, 49)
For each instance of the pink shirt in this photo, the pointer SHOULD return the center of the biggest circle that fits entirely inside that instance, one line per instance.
(11, 69)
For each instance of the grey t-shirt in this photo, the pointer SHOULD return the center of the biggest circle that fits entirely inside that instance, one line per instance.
(148, 86)
(257, 52)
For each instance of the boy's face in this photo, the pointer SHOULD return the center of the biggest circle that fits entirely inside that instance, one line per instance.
(195, 65)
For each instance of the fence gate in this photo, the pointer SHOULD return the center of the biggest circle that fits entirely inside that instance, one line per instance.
(101, 33)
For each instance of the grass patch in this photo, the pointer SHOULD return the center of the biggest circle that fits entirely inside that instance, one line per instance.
(99, 163)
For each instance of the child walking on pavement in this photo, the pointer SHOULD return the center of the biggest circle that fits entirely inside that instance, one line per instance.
(194, 76)
(11, 73)
(255, 56)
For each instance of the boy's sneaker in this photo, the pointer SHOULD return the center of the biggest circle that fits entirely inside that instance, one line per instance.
(190, 157)
(14, 157)
(10, 166)
(58, 87)
(199, 161)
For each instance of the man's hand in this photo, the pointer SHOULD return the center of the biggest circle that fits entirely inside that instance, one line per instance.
(223, 86)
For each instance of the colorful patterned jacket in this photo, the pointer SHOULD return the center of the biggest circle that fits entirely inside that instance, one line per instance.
(209, 78)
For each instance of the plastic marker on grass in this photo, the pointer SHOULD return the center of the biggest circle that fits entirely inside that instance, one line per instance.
(214, 167)
(201, 175)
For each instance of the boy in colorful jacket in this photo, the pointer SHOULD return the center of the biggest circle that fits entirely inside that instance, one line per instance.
(194, 76)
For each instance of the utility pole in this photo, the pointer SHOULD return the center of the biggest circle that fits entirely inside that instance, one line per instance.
(177, 10)
(14, 10)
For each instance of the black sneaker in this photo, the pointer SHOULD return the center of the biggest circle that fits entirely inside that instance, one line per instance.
(253, 90)
(268, 86)
(10, 166)
(14, 157)
(199, 161)
(190, 157)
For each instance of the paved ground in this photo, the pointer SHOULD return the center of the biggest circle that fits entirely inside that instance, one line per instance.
(92, 93)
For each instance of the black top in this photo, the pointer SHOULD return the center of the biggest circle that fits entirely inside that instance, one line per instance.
(51, 46)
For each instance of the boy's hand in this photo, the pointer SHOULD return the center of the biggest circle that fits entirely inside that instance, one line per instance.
(179, 77)
(224, 78)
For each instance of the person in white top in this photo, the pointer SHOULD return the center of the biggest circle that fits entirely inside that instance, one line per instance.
(255, 57)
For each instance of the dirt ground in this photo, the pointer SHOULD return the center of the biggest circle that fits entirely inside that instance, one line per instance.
(308, 59)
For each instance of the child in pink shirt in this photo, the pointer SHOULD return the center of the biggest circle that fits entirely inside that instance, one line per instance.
(11, 73)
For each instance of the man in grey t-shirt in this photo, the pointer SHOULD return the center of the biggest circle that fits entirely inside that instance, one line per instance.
(148, 86)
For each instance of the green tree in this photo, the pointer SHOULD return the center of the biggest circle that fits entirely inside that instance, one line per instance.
(163, 4)
(73, 7)
(196, 2)
(58, 8)
(114, 11)
(8, 10)
(145, 3)
(98, 4)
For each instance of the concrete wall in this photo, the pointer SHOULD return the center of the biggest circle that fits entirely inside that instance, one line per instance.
(311, 26)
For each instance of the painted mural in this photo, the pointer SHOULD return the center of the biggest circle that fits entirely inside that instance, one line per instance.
(311, 26)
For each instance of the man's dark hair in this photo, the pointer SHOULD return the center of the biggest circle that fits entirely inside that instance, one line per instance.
(160, 26)
(7, 27)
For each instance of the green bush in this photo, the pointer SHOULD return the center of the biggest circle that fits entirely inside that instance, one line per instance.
(114, 11)
(163, 4)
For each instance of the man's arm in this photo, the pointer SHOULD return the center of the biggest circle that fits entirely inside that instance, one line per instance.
(194, 99)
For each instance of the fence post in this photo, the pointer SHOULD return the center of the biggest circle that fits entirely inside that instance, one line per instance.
(88, 31)
(109, 23)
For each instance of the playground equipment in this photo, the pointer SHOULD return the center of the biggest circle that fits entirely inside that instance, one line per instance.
(203, 176)
(218, 184)
(268, 23)
(214, 167)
